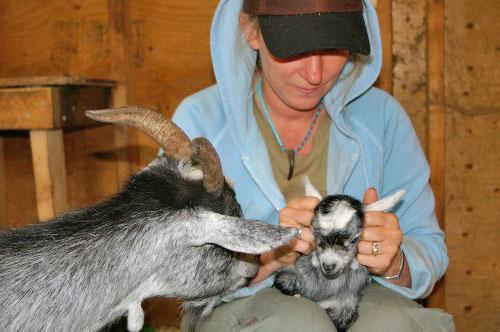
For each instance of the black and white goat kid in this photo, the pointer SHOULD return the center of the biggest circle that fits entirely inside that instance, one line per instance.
(175, 230)
(331, 275)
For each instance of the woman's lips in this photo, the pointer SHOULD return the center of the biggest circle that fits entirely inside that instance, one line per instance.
(309, 91)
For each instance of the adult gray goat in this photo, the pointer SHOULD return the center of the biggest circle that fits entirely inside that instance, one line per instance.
(175, 230)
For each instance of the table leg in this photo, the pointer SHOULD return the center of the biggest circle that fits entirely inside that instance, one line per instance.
(49, 166)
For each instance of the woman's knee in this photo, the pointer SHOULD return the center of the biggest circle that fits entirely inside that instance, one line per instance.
(382, 309)
(274, 311)
(269, 310)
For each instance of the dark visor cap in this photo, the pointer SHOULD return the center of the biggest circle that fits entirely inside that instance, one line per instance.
(290, 30)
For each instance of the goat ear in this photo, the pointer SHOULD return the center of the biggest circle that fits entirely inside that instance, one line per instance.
(240, 235)
(386, 204)
(310, 190)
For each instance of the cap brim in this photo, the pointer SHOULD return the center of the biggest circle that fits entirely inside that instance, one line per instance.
(293, 35)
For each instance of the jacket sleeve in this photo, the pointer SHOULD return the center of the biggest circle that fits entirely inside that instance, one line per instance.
(405, 167)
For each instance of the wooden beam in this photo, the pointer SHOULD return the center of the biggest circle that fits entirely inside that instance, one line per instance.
(49, 167)
(384, 11)
(13, 82)
(25, 108)
(50, 107)
(437, 122)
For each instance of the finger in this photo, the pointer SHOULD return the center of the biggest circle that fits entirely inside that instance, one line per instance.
(290, 217)
(374, 234)
(301, 246)
(375, 263)
(384, 248)
(371, 196)
(377, 218)
(289, 257)
(304, 203)
(366, 248)
(382, 234)
(306, 235)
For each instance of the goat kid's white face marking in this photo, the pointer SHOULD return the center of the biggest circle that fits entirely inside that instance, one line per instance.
(341, 214)
(330, 257)
(189, 172)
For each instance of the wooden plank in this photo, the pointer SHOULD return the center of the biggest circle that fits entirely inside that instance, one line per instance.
(61, 38)
(384, 11)
(50, 107)
(165, 66)
(90, 155)
(21, 197)
(49, 166)
(3, 194)
(437, 123)
(12, 82)
(118, 12)
(410, 61)
(121, 137)
(472, 215)
(472, 163)
(26, 108)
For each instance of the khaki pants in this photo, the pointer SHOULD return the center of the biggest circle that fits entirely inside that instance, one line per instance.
(380, 310)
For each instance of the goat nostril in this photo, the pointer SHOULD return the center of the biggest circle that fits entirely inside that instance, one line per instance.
(329, 267)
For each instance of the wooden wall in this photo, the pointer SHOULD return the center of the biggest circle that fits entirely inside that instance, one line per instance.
(473, 162)
(440, 61)
(445, 73)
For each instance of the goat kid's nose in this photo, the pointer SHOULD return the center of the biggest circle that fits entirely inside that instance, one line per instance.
(329, 267)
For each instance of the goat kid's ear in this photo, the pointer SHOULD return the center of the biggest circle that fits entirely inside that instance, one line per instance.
(310, 190)
(239, 235)
(385, 204)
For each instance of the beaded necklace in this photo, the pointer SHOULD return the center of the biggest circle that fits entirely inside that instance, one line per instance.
(292, 151)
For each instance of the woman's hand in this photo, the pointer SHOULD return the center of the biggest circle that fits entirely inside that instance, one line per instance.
(298, 214)
(379, 247)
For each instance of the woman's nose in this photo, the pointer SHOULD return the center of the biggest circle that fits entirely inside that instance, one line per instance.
(313, 69)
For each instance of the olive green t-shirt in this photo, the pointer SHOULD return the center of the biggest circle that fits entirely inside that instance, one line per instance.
(312, 164)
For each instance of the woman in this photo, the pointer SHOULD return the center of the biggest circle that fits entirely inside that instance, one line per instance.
(294, 97)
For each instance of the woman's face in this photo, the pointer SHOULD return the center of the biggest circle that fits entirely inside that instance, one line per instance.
(301, 82)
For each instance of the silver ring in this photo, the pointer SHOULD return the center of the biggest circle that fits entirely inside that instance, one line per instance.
(301, 229)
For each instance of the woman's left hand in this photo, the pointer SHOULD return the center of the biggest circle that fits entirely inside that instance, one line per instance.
(379, 246)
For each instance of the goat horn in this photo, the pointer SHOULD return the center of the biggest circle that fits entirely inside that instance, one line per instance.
(171, 138)
(206, 156)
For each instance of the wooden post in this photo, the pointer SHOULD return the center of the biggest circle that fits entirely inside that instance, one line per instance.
(436, 125)
(384, 11)
(118, 17)
(49, 167)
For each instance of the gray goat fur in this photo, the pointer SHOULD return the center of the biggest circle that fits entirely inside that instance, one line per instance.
(331, 275)
(165, 234)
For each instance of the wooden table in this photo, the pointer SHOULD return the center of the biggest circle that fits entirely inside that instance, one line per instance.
(46, 106)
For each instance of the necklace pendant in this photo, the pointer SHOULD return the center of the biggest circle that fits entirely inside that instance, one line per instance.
(291, 163)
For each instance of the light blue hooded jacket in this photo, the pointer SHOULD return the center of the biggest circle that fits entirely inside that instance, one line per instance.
(372, 143)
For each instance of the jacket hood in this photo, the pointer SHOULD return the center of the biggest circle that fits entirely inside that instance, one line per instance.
(231, 58)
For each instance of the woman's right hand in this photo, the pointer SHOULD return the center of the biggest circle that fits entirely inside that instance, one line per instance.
(298, 214)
